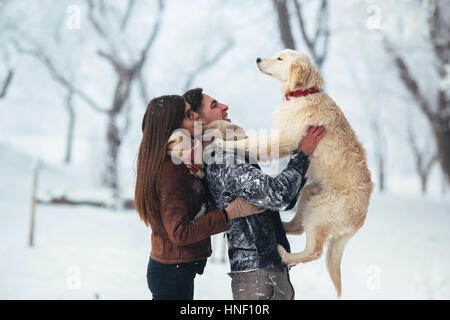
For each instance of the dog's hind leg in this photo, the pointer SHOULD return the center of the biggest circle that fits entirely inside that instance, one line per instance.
(315, 239)
(295, 226)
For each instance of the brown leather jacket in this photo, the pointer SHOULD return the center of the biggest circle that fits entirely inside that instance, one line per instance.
(176, 236)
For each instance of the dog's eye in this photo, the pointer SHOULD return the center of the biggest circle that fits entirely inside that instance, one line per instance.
(279, 58)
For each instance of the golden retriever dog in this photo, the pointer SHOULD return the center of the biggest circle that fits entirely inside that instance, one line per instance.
(333, 205)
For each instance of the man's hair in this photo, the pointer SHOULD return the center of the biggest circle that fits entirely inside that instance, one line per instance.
(194, 98)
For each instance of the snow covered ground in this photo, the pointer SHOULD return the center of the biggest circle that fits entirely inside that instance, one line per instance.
(402, 251)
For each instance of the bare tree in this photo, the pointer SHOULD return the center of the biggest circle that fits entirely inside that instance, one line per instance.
(127, 73)
(423, 166)
(7, 24)
(435, 106)
(317, 42)
(66, 81)
(207, 62)
(284, 23)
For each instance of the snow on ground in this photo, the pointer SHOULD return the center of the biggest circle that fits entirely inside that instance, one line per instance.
(402, 251)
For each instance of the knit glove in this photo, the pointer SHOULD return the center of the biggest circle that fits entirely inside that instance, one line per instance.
(240, 208)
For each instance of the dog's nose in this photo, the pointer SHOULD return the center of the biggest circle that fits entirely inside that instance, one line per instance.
(258, 60)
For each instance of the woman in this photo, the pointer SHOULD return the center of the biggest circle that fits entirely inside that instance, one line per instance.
(169, 198)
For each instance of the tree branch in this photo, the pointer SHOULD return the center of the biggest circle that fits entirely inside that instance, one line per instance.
(127, 124)
(432, 161)
(47, 62)
(116, 64)
(143, 89)
(439, 40)
(408, 80)
(127, 15)
(6, 84)
(97, 25)
(412, 140)
(284, 23)
(152, 37)
(322, 32)
(321, 17)
(70, 130)
(423, 167)
(301, 22)
(208, 63)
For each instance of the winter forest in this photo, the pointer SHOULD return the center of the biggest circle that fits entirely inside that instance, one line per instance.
(75, 79)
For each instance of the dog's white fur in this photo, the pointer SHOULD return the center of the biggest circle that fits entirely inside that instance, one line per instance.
(333, 205)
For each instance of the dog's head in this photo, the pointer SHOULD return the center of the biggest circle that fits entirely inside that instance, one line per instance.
(293, 69)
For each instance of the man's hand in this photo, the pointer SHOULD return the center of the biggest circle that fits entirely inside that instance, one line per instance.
(309, 142)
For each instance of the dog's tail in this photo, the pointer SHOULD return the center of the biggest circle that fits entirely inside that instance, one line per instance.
(335, 251)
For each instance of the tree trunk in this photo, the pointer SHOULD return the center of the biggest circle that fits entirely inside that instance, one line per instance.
(424, 180)
(437, 115)
(441, 131)
(98, 15)
(6, 84)
(439, 32)
(444, 184)
(114, 135)
(114, 141)
(284, 24)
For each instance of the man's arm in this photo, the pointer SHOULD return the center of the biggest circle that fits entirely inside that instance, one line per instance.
(253, 185)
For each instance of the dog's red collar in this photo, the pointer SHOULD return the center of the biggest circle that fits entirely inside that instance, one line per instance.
(301, 93)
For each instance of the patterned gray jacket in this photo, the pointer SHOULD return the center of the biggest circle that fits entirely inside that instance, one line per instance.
(252, 240)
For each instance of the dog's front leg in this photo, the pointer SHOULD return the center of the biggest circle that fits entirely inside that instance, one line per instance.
(261, 148)
(295, 226)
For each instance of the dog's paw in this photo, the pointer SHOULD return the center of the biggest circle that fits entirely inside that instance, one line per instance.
(284, 255)
(282, 252)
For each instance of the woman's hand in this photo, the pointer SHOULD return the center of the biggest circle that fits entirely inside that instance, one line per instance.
(241, 208)
(309, 142)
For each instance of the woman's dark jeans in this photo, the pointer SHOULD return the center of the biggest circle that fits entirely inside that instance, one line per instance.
(173, 281)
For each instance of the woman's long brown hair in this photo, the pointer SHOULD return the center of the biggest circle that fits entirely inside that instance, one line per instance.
(163, 115)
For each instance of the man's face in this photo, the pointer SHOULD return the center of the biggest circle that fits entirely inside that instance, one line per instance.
(212, 110)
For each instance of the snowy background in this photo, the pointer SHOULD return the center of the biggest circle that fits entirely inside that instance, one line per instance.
(87, 252)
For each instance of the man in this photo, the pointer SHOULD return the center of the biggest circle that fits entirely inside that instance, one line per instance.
(256, 268)
(208, 108)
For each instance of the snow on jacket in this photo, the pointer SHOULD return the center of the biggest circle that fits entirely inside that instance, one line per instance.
(252, 240)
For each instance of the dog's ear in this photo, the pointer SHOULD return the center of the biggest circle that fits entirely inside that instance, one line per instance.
(304, 75)
(315, 78)
(298, 73)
